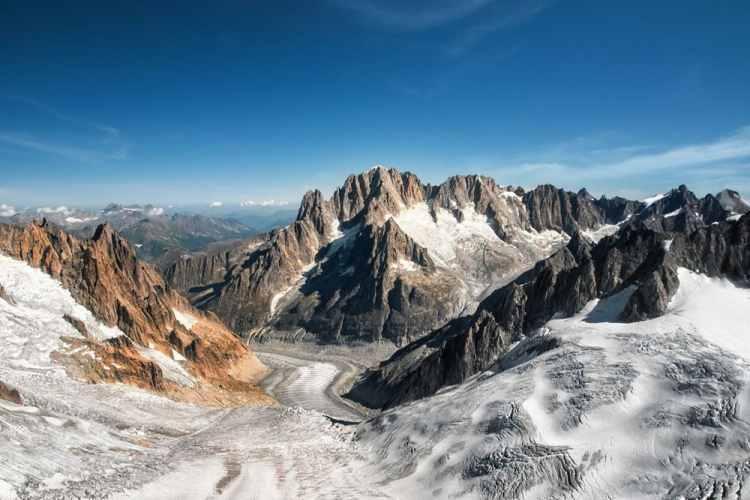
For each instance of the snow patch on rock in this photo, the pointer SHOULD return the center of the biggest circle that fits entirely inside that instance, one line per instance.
(442, 236)
(185, 319)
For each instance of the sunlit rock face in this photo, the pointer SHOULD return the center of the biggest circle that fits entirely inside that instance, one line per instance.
(141, 334)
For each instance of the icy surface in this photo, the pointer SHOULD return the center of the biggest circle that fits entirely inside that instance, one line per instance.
(601, 232)
(472, 250)
(442, 237)
(593, 409)
(170, 367)
(717, 310)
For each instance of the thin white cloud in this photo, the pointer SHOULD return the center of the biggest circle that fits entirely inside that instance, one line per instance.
(397, 15)
(733, 147)
(216, 204)
(155, 211)
(62, 209)
(631, 171)
(7, 210)
(505, 17)
(40, 106)
(263, 203)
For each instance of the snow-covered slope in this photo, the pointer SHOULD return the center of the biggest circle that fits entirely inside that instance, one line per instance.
(470, 247)
(75, 440)
(592, 409)
(66, 431)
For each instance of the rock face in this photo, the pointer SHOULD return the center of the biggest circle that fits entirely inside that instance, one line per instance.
(552, 208)
(10, 394)
(387, 257)
(638, 263)
(680, 210)
(376, 193)
(104, 275)
(502, 207)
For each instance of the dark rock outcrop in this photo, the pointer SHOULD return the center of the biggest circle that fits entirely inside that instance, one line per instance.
(10, 394)
(358, 292)
(552, 208)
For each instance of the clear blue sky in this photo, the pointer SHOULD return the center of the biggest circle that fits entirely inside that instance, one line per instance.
(232, 100)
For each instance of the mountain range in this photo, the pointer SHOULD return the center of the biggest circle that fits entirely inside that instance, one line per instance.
(390, 258)
(157, 234)
(459, 340)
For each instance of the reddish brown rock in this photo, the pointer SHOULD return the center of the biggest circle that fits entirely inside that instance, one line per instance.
(10, 394)
(104, 275)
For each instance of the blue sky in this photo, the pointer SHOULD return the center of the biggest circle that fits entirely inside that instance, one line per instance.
(251, 100)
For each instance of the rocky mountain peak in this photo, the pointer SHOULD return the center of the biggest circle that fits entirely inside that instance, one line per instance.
(732, 202)
(552, 208)
(315, 209)
(385, 190)
(502, 207)
(584, 193)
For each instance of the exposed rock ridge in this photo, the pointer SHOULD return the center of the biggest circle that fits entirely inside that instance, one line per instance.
(380, 190)
(104, 275)
(552, 208)
(245, 293)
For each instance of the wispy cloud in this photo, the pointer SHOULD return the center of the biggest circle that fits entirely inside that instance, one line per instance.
(7, 210)
(634, 168)
(106, 141)
(40, 106)
(69, 152)
(502, 17)
(470, 21)
(398, 15)
(732, 147)
(263, 203)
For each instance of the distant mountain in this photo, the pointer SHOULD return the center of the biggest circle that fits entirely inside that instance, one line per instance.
(157, 235)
